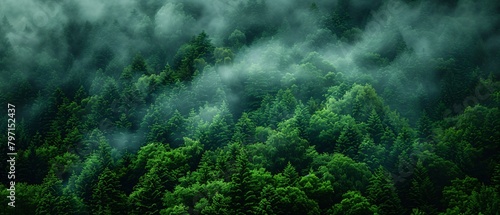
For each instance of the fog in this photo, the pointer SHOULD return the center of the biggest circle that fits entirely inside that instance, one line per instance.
(400, 47)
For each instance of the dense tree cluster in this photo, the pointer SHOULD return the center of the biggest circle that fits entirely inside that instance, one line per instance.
(253, 124)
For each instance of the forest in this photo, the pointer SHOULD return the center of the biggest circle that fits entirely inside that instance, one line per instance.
(267, 107)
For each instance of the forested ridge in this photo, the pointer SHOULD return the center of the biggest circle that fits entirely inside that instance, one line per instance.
(252, 106)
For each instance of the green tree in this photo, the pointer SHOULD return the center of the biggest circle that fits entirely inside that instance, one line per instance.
(375, 127)
(282, 108)
(344, 173)
(290, 200)
(484, 201)
(223, 56)
(54, 200)
(422, 192)
(373, 155)
(456, 195)
(383, 193)
(353, 203)
(107, 198)
(264, 207)
(27, 199)
(495, 178)
(349, 140)
(319, 190)
(237, 39)
(291, 174)
(323, 130)
(199, 47)
(147, 195)
(289, 147)
(85, 183)
(169, 132)
(220, 130)
(139, 65)
(424, 127)
(243, 198)
(245, 130)
(220, 205)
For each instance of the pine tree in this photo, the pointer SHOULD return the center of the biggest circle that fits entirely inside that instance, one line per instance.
(373, 155)
(245, 130)
(349, 141)
(302, 118)
(107, 198)
(243, 198)
(456, 196)
(88, 178)
(147, 195)
(55, 200)
(319, 190)
(48, 201)
(382, 192)
(264, 207)
(175, 128)
(495, 178)
(220, 130)
(353, 203)
(375, 127)
(205, 171)
(290, 174)
(221, 205)
(200, 47)
(484, 201)
(424, 127)
(138, 65)
(422, 192)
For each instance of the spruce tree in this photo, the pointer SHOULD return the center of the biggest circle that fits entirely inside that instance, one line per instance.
(107, 198)
(422, 192)
(243, 198)
(382, 192)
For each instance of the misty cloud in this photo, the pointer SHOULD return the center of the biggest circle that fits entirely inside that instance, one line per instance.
(287, 43)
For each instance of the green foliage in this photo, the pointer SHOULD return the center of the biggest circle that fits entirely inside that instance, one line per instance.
(375, 127)
(422, 191)
(223, 56)
(219, 131)
(289, 200)
(243, 199)
(346, 174)
(457, 194)
(349, 140)
(27, 199)
(359, 102)
(169, 131)
(371, 154)
(139, 65)
(147, 195)
(244, 130)
(319, 190)
(353, 203)
(324, 129)
(220, 205)
(383, 193)
(288, 146)
(54, 200)
(326, 107)
(199, 47)
(107, 198)
(424, 127)
(237, 39)
(84, 184)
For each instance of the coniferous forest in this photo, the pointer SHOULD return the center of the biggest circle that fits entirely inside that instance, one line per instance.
(250, 107)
